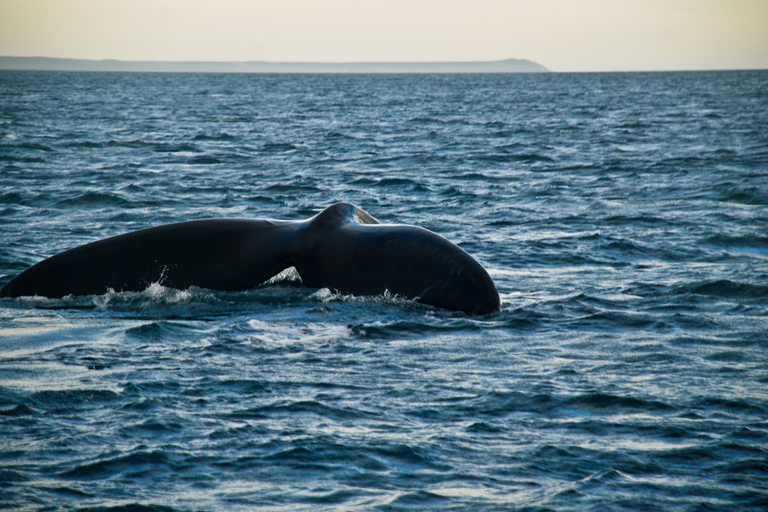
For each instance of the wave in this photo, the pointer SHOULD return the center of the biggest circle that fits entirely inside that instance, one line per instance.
(58, 401)
(18, 411)
(755, 242)
(742, 193)
(301, 407)
(214, 136)
(279, 147)
(132, 507)
(512, 157)
(272, 333)
(607, 402)
(136, 463)
(204, 160)
(176, 148)
(724, 288)
(285, 288)
(90, 199)
(31, 146)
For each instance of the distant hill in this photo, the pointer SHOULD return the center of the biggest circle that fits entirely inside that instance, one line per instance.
(52, 64)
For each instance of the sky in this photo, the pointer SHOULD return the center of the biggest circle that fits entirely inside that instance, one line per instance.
(563, 35)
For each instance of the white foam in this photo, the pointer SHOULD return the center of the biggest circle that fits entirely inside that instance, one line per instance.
(283, 334)
(325, 295)
(155, 293)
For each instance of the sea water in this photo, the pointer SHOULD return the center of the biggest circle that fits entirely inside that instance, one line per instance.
(623, 218)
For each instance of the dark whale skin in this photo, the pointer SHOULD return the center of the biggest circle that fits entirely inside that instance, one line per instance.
(342, 248)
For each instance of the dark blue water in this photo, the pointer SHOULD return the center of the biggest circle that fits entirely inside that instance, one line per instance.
(623, 217)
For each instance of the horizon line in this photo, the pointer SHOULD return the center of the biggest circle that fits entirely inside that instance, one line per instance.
(535, 67)
(110, 59)
(71, 64)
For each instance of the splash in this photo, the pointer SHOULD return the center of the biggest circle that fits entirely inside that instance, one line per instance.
(154, 295)
(325, 295)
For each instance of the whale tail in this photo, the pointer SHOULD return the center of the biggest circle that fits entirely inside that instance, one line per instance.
(342, 248)
(346, 249)
(226, 255)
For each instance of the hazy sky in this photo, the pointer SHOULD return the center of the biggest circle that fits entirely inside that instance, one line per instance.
(563, 35)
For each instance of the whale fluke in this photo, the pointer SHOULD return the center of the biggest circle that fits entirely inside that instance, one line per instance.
(342, 248)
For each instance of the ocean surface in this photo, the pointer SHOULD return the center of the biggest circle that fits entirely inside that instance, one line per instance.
(623, 218)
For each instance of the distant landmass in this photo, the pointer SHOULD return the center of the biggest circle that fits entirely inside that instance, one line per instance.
(54, 64)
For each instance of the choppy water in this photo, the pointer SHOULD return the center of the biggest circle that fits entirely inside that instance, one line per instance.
(623, 217)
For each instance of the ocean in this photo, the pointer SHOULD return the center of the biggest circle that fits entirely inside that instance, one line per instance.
(622, 216)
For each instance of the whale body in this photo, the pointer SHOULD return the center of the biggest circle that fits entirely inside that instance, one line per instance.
(343, 248)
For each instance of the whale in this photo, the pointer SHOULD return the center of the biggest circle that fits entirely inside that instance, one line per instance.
(342, 248)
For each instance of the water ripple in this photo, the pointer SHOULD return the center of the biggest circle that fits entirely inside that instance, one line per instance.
(621, 216)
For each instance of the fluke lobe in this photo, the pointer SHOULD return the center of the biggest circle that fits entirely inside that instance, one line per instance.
(342, 248)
